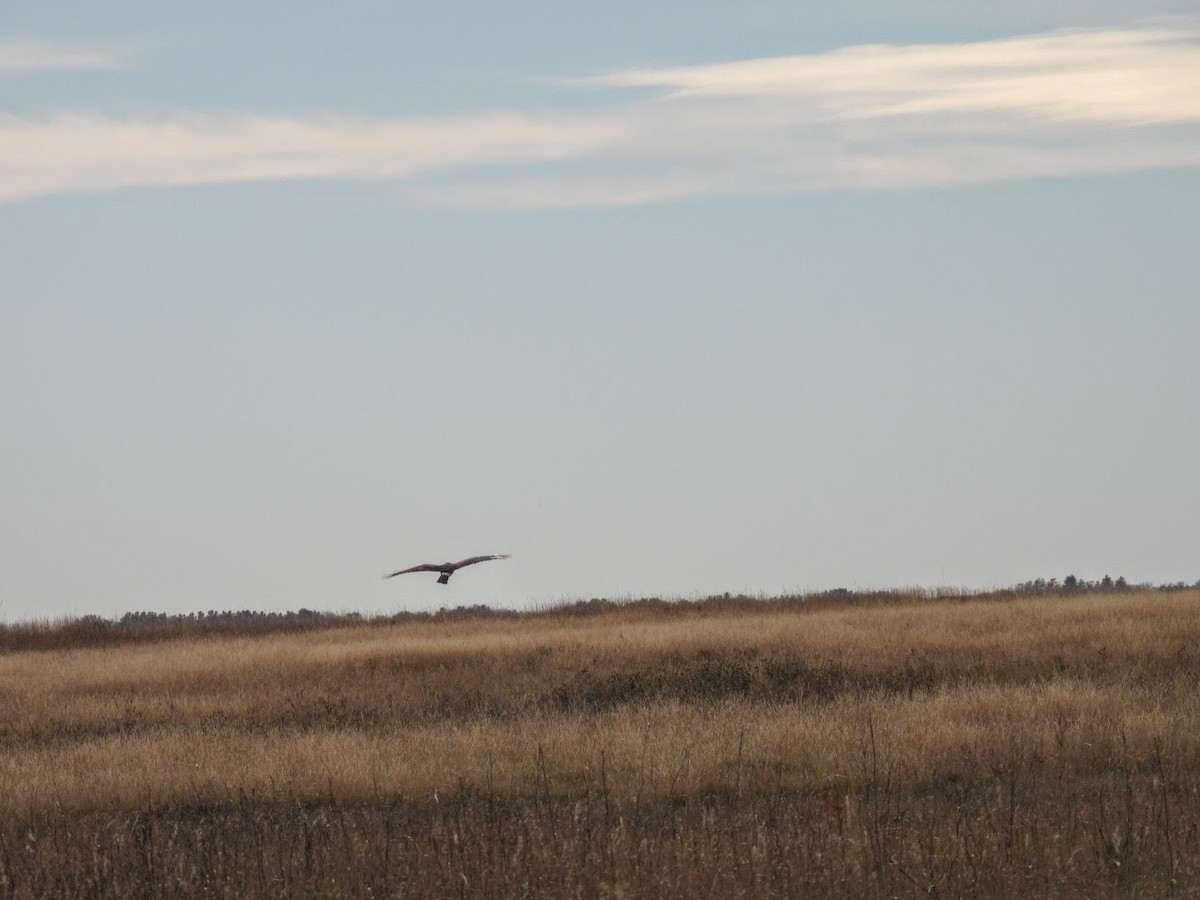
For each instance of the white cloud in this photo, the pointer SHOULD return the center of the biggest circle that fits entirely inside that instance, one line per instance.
(861, 118)
(40, 56)
(880, 117)
(75, 152)
(1131, 76)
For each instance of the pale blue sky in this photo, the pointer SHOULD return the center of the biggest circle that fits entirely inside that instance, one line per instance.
(681, 300)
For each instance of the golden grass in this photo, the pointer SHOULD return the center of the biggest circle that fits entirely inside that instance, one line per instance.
(1067, 700)
(659, 749)
(420, 708)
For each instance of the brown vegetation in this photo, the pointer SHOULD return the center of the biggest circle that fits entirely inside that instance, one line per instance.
(911, 746)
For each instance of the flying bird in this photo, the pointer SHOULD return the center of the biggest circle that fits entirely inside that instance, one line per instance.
(449, 568)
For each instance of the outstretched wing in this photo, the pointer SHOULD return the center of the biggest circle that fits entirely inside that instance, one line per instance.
(424, 567)
(471, 560)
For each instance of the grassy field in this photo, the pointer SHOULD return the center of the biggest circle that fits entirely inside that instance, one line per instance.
(992, 746)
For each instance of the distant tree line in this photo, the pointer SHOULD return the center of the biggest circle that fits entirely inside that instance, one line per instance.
(1074, 584)
(147, 627)
(228, 615)
(299, 619)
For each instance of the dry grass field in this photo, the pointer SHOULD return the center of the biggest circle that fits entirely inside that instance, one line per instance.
(993, 746)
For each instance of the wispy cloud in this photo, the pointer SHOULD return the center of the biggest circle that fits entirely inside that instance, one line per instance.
(1130, 76)
(32, 55)
(860, 118)
(87, 153)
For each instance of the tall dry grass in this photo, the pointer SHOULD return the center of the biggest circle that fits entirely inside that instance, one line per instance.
(916, 747)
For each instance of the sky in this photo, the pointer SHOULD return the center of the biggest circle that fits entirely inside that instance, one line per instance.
(662, 299)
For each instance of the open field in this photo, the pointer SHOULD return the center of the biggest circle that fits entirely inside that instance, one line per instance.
(985, 746)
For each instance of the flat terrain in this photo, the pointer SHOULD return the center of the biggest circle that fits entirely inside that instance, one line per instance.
(898, 746)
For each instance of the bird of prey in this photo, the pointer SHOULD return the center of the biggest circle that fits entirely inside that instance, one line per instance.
(449, 568)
